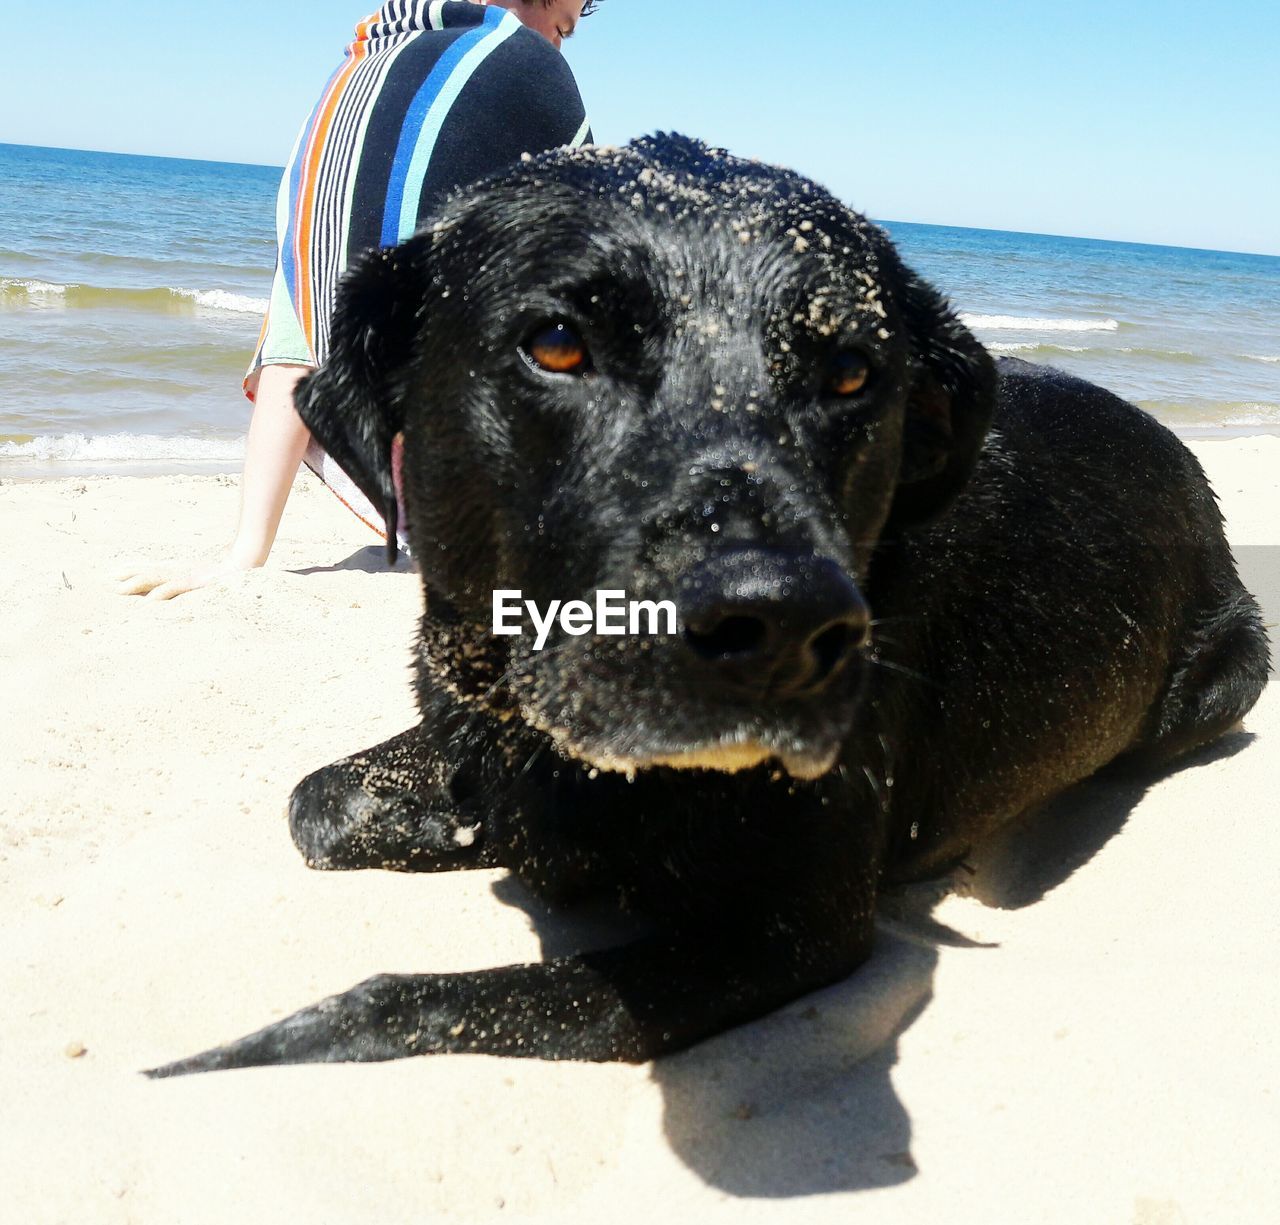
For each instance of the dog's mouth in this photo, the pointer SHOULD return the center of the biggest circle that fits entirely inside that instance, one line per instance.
(726, 756)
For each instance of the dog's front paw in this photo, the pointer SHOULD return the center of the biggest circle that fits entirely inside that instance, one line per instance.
(358, 813)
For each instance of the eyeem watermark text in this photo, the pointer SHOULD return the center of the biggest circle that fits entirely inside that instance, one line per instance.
(611, 614)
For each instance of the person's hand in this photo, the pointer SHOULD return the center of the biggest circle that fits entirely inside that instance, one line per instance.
(166, 581)
(277, 441)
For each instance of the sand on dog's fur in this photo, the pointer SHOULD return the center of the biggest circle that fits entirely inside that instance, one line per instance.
(1110, 1057)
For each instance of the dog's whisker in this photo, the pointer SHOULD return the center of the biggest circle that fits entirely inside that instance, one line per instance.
(893, 642)
(538, 751)
(876, 787)
(880, 662)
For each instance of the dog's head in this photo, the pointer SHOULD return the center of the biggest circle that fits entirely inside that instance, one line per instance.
(664, 371)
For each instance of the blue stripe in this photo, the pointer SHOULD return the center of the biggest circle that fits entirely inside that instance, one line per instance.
(426, 115)
(287, 264)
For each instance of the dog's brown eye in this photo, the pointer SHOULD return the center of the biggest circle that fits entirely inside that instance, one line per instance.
(557, 349)
(848, 375)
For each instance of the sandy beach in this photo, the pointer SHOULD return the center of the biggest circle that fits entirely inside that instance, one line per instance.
(1107, 1055)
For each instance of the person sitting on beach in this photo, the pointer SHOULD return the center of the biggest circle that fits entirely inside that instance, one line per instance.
(432, 95)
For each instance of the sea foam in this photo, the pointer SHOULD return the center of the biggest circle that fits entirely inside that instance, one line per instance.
(221, 300)
(163, 299)
(1009, 323)
(121, 448)
(1033, 346)
(16, 287)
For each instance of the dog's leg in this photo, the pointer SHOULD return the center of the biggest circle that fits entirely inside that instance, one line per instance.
(1222, 670)
(394, 806)
(628, 1004)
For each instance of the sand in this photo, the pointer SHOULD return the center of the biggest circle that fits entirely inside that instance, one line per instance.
(1110, 1057)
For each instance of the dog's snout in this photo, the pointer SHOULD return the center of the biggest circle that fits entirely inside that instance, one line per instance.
(772, 622)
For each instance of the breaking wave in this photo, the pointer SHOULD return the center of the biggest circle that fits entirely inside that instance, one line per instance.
(119, 448)
(1019, 323)
(163, 300)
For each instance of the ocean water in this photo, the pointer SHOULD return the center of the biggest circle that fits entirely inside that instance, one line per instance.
(1191, 336)
(132, 290)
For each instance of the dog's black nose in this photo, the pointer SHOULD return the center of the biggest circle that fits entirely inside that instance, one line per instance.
(772, 622)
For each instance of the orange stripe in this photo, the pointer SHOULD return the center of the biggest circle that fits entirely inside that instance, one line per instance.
(304, 205)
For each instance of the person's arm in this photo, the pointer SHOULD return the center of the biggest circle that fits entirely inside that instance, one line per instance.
(276, 444)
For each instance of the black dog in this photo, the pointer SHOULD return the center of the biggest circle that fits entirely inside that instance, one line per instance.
(668, 371)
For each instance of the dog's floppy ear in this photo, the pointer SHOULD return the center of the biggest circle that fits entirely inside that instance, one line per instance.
(949, 408)
(347, 403)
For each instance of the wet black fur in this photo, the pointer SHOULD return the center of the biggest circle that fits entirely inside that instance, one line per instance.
(1046, 565)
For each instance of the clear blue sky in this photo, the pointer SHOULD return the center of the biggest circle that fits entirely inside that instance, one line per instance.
(1145, 121)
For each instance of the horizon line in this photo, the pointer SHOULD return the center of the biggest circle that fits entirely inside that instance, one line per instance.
(1124, 242)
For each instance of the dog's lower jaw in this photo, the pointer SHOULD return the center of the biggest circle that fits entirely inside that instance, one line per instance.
(726, 757)
(730, 758)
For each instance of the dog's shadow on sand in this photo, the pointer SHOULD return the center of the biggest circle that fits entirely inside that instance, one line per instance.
(372, 559)
(801, 1102)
